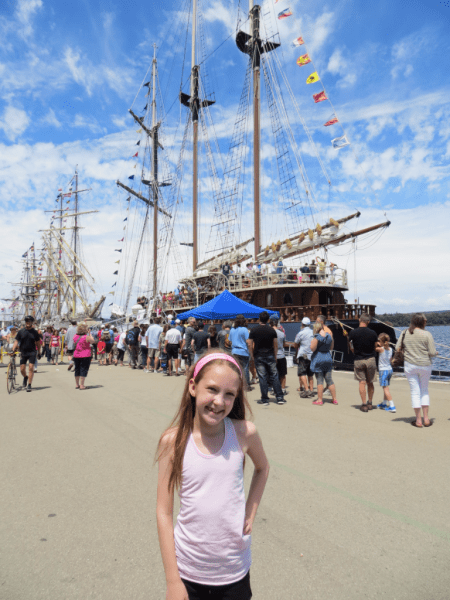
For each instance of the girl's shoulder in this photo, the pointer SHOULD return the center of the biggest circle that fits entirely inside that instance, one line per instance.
(167, 441)
(245, 431)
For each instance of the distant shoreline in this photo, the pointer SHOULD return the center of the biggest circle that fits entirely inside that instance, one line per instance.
(441, 317)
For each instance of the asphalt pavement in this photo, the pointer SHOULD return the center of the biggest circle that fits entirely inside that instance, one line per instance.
(356, 505)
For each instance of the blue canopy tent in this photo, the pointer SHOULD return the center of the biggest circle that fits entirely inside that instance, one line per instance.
(225, 306)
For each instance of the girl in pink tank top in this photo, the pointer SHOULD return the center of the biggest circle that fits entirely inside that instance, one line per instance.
(201, 455)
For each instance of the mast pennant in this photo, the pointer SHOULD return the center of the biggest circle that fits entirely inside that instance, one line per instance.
(340, 142)
(284, 14)
(303, 60)
(320, 97)
(298, 42)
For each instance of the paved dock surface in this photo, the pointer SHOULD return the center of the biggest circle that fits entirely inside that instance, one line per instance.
(356, 505)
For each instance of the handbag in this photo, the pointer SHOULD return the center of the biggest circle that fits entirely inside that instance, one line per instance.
(398, 360)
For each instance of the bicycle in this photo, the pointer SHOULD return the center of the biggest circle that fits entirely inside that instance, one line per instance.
(11, 374)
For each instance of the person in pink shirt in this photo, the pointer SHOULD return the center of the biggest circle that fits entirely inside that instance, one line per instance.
(55, 346)
(82, 355)
(208, 553)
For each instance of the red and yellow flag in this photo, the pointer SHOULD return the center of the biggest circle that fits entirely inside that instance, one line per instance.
(303, 60)
(331, 122)
(320, 97)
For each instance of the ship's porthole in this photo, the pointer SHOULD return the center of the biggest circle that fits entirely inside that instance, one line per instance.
(269, 300)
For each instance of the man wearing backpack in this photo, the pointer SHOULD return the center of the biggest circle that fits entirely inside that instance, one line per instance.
(132, 340)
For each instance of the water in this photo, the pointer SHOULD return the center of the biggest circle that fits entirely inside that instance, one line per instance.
(441, 335)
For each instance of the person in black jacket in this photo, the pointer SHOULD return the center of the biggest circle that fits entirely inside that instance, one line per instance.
(29, 342)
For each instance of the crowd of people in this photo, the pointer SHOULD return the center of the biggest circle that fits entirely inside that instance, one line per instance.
(260, 351)
(243, 275)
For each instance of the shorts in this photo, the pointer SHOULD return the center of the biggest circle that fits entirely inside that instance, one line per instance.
(365, 369)
(239, 590)
(385, 377)
(153, 353)
(172, 351)
(108, 347)
(55, 352)
(82, 366)
(282, 367)
(304, 367)
(25, 356)
(120, 354)
(321, 375)
(70, 351)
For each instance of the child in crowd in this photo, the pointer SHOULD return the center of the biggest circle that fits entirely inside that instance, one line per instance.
(101, 352)
(201, 454)
(385, 370)
(55, 346)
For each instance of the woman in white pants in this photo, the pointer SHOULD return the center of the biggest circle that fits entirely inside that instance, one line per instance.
(419, 351)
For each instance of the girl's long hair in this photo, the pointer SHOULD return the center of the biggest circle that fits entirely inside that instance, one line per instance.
(418, 320)
(384, 340)
(183, 422)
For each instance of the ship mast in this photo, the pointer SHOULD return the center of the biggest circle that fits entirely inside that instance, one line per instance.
(195, 105)
(255, 12)
(75, 236)
(254, 46)
(154, 179)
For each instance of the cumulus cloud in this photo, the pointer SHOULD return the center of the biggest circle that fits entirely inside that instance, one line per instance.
(14, 122)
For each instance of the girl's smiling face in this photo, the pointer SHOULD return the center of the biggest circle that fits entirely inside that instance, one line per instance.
(215, 393)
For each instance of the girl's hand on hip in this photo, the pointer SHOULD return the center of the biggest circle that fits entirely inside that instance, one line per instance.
(248, 525)
(176, 591)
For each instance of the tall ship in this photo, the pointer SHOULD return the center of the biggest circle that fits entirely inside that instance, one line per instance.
(56, 285)
(260, 222)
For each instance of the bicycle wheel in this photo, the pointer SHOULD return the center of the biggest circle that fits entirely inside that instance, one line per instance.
(11, 377)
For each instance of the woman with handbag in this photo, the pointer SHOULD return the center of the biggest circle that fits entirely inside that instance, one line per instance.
(82, 355)
(418, 351)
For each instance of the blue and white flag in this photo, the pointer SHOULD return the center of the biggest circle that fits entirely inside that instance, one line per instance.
(340, 142)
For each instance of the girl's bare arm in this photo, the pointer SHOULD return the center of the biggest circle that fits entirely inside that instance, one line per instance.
(256, 452)
(176, 589)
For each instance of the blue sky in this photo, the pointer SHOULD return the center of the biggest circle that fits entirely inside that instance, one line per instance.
(70, 71)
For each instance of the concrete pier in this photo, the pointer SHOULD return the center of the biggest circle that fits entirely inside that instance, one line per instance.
(356, 505)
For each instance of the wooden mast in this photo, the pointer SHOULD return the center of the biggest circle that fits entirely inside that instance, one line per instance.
(255, 12)
(154, 180)
(75, 235)
(194, 111)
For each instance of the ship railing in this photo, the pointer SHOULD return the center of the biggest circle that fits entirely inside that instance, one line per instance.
(339, 312)
(253, 279)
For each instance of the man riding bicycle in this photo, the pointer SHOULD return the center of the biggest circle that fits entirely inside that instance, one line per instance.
(29, 342)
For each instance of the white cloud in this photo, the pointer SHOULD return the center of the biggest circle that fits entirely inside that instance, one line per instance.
(14, 122)
(25, 11)
(51, 119)
(338, 65)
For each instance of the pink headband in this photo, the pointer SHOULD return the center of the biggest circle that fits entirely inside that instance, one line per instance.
(216, 356)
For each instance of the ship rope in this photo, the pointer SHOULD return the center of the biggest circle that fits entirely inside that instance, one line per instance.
(223, 231)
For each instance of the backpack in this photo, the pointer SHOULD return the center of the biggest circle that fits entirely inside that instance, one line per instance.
(106, 337)
(131, 338)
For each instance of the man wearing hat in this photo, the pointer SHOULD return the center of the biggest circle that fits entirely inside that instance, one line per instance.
(304, 352)
(29, 342)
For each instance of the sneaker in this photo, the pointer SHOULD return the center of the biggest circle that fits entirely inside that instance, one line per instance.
(285, 392)
(29, 387)
(327, 391)
(281, 401)
(390, 409)
(25, 381)
(383, 405)
(304, 394)
(312, 394)
(264, 401)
